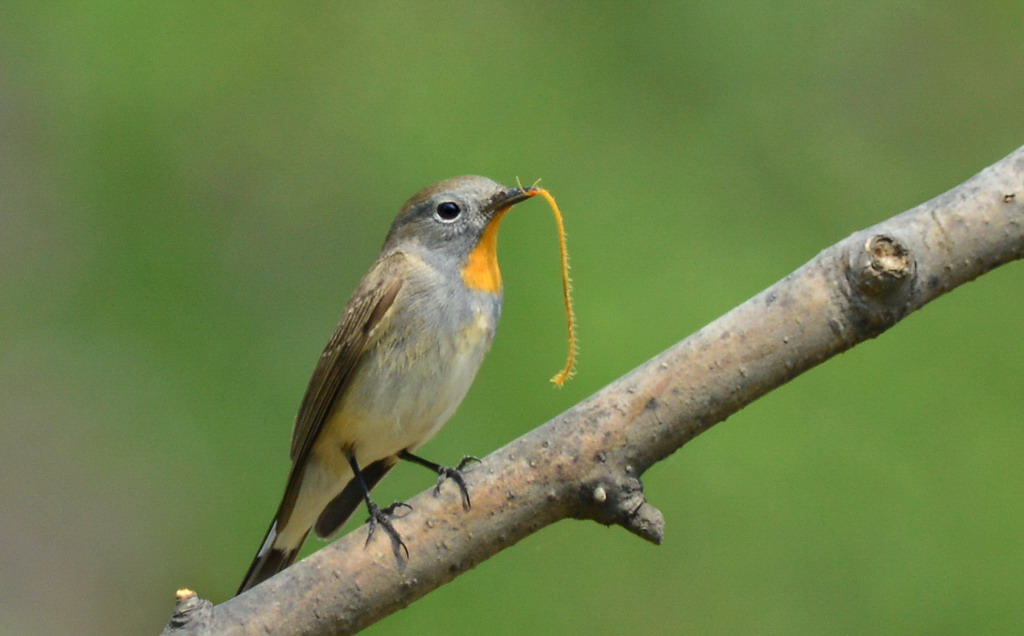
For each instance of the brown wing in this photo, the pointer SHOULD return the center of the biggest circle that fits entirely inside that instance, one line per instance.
(354, 335)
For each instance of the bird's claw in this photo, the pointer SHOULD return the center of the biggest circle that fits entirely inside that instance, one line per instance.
(455, 474)
(382, 517)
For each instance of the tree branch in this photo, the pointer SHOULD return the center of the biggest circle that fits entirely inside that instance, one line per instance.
(587, 462)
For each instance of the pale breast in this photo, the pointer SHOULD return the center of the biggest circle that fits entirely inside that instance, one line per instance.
(410, 383)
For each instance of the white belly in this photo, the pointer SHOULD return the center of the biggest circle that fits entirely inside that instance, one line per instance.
(406, 390)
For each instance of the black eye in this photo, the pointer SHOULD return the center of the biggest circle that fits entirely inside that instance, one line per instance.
(448, 211)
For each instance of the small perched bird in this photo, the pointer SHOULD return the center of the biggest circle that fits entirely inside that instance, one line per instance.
(408, 345)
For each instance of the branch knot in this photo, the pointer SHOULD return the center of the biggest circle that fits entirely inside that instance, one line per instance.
(622, 502)
(880, 274)
(191, 613)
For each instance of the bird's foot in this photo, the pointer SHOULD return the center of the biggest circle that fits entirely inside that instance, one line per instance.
(382, 517)
(455, 474)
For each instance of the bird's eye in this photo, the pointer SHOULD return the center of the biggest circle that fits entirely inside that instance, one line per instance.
(448, 211)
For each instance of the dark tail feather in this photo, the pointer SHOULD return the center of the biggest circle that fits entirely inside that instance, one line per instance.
(269, 560)
(351, 497)
(272, 559)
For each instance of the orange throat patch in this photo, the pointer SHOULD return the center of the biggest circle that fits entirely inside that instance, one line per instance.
(481, 271)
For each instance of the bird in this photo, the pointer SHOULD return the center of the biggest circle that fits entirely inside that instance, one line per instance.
(408, 345)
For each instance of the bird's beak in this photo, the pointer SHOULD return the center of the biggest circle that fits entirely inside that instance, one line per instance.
(508, 198)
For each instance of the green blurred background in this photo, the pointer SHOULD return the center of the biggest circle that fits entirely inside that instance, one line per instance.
(191, 190)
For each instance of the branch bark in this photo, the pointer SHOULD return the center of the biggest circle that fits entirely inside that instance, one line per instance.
(586, 463)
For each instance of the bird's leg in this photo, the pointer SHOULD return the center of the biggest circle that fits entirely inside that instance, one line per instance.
(445, 472)
(379, 516)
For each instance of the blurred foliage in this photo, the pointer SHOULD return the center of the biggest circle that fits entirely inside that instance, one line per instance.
(189, 191)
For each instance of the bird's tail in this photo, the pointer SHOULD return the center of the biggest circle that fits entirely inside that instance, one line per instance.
(297, 513)
(271, 558)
